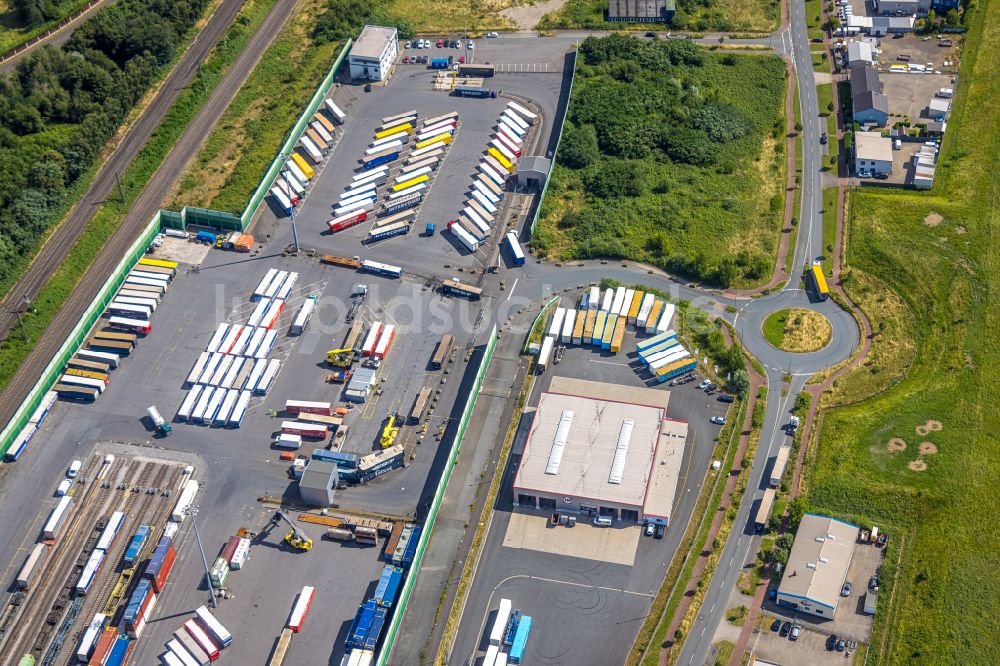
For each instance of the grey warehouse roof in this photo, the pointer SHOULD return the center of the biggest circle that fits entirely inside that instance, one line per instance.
(317, 475)
(639, 9)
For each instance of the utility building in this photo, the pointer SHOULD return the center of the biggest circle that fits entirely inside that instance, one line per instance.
(641, 11)
(317, 482)
(602, 449)
(817, 566)
(373, 53)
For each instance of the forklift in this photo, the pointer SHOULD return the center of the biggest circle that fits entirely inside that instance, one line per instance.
(342, 358)
(295, 537)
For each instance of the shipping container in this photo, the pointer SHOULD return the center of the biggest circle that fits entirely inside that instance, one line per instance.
(384, 341)
(609, 331)
(500, 159)
(191, 646)
(281, 649)
(588, 326)
(234, 371)
(619, 299)
(32, 565)
(347, 220)
(213, 627)
(110, 531)
(98, 356)
(240, 554)
(222, 368)
(390, 139)
(618, 336)
(302, 318)
(189, 402)
(334, 111)
(324, 122)
(516, 653)
(442, 351)
(461, 289)
(304, 406)
(556, 323)
(106, 334)
(653, 316)
(388, 231)
(378, 268)
(200, 637)
(301, 608)
(665, 318)
(89, 573)
(380, 462)
(402, 128)
(281, 200)
(268, 376)
(90, 636)
(130, 324)
(369, 344)
(155, 286)
(569, 322)
(464, 237)
(492, 173)
(185, 500)
(160, 564)
(419, 405)
(519, 110)
(311, 149)
(74, 393)
(500, 622)
(632, 313)
(401, 204)
(91, 374)
(200, 407)
(140, 301)
(380, 157)
(181, 654)
(87, 382)
(309, 430)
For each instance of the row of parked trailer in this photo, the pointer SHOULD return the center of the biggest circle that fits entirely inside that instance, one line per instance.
(127, 317)
(198, 642)
(235, 364)
(374, 613)
(317, 140)
(603, 321)
(508, 636)
(476, 221)
(407, 187)
(19, 444)
(295, 621)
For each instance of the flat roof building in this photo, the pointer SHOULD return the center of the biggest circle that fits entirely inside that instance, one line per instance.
(817, 566)
(317, 482)
(872, 153)
(602, 449)
(373, 53)
(641, 11)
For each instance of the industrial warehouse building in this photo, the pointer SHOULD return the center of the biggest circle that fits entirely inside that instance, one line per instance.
(817, 566)
(602, 449)
(317, 483)
(872, 153)
(373, 53)
(641, 11)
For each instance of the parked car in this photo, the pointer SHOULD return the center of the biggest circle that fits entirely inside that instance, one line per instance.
(650, 529)
(881, 176)
(703, 385)
(873, 583)
(711, 387)
(659, 531)
(823, 139)
(772, 594)
(63, 488)
(726, 398)
(831, 642)
(440, 43)
(776, 625)
(785, 628)
(461, 59)
(718, 420)
(75, 466)
(406, 45)
(793, 635)
(492, 35)
(651, 34)
(841, 645)
(470, 45)
(406, 59)
(846, 590)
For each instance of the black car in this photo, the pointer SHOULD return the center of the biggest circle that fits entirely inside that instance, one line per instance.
(881, 176)
(785, 628)
(776, 624)
(651, 34)
(823, 139)
(659, 531)
(725, 398)
(831, 643)
(873, 584)
(841, 645)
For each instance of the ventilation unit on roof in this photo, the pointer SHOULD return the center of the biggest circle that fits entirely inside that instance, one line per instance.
(621, 452)
(559, 442)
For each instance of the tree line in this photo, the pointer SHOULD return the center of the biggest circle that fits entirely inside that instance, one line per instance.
(61, 105)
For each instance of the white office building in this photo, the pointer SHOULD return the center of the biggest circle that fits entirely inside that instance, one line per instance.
(373, 53)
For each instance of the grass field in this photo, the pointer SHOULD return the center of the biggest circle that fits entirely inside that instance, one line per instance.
(941, 506)
(797, 330)
(724, 16)
(113, 211)
(12, 34)
(440, 16)
(247, 137)
(688, 181)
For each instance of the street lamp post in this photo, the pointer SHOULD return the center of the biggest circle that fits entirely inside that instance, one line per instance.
(193, 512)
(295, 232)
(17, 311)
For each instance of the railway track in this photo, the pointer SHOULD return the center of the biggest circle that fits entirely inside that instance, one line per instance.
(62, 559)
(140, 507)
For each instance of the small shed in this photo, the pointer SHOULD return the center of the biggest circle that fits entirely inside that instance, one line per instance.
(533, 172)
(317, 482)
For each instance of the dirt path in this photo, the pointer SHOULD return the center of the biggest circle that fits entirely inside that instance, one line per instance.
(526, 17)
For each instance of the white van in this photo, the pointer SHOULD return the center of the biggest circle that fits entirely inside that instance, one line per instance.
(63, 488)
(946, 93)
(285, 440)
(602, 521)
(74, 469)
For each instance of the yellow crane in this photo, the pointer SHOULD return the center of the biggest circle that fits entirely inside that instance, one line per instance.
(342, 358)
(389, 432)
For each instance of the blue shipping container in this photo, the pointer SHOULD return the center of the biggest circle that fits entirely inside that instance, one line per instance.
(206, 237)
(688, 367)
(343, 460)
(143, 590)
(439, 63)
(134, 551)
(375, 630)
(358, 634)
(156, 560)
(388, 586)
(119, 651)
(411, 547)
(470, 91)
(404, 203)
(380, 159)
(520, 640)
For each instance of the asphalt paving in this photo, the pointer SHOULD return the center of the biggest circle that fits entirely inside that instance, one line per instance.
(66, 234)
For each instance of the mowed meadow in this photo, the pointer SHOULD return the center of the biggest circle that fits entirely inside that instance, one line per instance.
(922, 459)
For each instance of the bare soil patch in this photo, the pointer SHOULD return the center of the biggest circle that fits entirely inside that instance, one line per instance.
(933, 219)
(526, 16)
(927, 448)
(896, 445)
(917, 465)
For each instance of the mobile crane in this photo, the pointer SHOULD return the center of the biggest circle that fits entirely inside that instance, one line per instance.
(389, 433)
(295, 537)
(342, 358)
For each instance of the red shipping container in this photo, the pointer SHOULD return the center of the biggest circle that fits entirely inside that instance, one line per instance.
(104, 645)
(229, 548)
(348, 220)
(168, 562)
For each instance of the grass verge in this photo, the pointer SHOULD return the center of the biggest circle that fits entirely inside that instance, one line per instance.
(722, 16)
(446, 16)
(112, 212)
(945, 276)
(229, 166)
(13, 35)
(829, 228)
